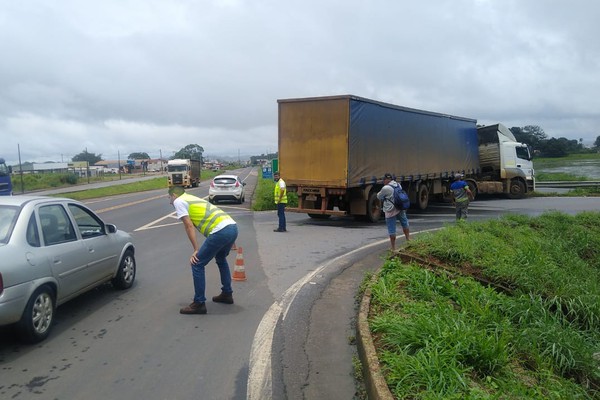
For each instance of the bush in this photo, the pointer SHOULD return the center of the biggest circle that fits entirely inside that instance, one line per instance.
(263, 195)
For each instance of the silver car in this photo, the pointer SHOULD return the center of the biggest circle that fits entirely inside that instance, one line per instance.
(52, 250)
(226, 187)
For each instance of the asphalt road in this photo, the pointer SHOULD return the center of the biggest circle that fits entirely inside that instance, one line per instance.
(288, 335)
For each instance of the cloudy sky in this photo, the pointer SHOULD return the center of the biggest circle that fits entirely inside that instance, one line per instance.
(122, 76)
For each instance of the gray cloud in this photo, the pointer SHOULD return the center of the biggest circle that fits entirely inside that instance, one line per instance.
(117, 77)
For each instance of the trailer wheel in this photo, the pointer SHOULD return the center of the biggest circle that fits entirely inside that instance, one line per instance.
(373, 208)
(517, 189)
(422, 196)
(472, 188)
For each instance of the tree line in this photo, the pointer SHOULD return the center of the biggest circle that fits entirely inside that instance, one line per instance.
(532, 135)
(538, 141)
(191, 151)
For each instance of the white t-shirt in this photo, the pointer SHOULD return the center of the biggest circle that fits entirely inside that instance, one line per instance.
(182, 209)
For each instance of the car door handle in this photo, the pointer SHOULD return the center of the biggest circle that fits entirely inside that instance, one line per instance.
(91, 249)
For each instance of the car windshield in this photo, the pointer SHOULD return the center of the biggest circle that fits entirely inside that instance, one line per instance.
(177, 168)
(8, 216)
(224, 181)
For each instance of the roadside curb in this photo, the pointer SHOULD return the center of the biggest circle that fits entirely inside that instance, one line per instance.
(375, 383)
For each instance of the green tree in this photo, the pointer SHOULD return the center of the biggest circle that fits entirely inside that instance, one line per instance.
(191, 151)
(597, 142)
(531, 135)
(138, 156)
(89, 157)
(555, 147)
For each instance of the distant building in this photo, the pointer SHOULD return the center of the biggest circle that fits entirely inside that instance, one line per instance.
(40, 168)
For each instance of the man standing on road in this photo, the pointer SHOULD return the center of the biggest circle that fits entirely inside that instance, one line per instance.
(280, 196)
(221, 232)
(386, 196)
(461, 195)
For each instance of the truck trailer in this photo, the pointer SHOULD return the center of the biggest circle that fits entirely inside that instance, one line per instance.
(183, 172)
(334, 151)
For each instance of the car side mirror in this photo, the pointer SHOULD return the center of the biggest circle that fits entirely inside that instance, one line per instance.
(243, 183)
(111, 228)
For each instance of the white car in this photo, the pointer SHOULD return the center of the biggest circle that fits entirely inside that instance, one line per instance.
(226, 187)
(52, 250)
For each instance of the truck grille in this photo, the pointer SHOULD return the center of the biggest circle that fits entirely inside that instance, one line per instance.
(177, 179)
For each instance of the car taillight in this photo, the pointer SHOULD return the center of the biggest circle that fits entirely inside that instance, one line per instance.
(237, 184)
(212, 184)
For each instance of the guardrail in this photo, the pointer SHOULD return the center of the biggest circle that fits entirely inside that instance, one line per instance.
(566, 184)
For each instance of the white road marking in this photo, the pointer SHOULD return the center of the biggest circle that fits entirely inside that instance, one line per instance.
(151, 225)
(260, 384)
(260, 379)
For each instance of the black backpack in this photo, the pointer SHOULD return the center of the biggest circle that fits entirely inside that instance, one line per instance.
(400, 198)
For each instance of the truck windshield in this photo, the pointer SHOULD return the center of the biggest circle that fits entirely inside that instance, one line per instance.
(523, 152)
(3, 169)
(177, 168)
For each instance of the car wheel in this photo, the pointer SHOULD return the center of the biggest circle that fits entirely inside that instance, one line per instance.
(126, 273)
(38, 316)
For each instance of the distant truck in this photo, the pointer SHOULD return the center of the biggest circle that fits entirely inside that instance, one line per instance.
(6, 188)
(334, 151)
(183, 172)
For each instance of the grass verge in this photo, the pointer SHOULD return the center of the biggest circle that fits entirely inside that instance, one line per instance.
(263, 195)
(507, 308)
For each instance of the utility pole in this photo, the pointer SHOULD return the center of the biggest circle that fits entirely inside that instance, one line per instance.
(161, 166)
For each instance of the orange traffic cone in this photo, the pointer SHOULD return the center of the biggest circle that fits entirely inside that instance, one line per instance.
(239, 272)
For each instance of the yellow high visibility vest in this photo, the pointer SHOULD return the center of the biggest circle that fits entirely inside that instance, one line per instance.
(278, 190)
(204, 215)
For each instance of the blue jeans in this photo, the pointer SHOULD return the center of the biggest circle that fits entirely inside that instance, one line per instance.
(217, 245)
(281, 216)
(462, 209)
(391, 222)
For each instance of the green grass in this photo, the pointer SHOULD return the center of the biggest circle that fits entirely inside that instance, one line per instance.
(52, 181)
(133, 187)
(558, 176)
(542, 162)
(263, 195)
(442, 334)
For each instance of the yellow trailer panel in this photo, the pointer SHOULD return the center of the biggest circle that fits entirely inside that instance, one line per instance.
(315, 149)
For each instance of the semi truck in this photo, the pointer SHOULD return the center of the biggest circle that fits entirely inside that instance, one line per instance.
(6, 188)
(334, 151)
(183, 172)
(505, 164)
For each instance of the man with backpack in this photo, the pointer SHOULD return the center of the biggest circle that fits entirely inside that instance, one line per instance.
(393, 210)
(460, 195)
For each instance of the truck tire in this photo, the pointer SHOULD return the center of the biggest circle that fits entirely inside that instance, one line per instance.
(517, 189)
(473, 187)
(422, 196)
(373, 208)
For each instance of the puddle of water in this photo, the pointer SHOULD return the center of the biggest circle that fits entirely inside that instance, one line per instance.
(588, 168)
